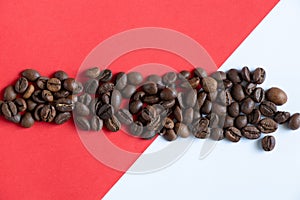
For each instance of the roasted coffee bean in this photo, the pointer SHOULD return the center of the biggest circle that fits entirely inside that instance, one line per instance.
(191, 83)
(31, 74)
(81, 109)
(227, 84)
(268, 108)
(37, 97)
(169, 78)
(121, 81)
(47, 95)
(105, 75)
(241, 121)
(41, 82)
(258, 95)
(277, 96)
(294, 121)
(82, 123)
(201, 98)
(254, 117)
(62, 117)
(54, 84)
(92, 73)
(139, 95)
(247, 106)
(14, 119)
(267, 125)
(128, 91)
(246, 74)
(209, 84)
(79, 88)
(106, 87)
(30, 105)
(200, 72)
(233, 134)
(21, 85)
(182, 130)
(228, 122)
(20, 104)
(9, 94)
(105, 111)
(234, 109)
(149, 113)
(218, 109)
(188, 115)
(155, 124)
(170, 135)
(217, 134)
(61, 94)
(207, 107)
(251, 132)
(85, 99)
(214, 120)
(178, 114)
(258, 76)
(281, 117)
(116, 99)
(190, 98)
(136, 128)
(234, 76)
(250, 87)
(64, 105)
(61, 75)
(180, 100)
(168, 123)
(27, 121)
(92, 106)
(168, 94)
(148, 134)
(29, 91)
(212, 96)
(201, 129)
(134, 78)
(105, 98)
(91, 86)
(70, 84)
(135, 107)
(150, 88)
(112, 124)
(37, 112)
(219, 76)
(224, 97)
(184, 74)
(124, 116)
(154, 78)
(9, 109)
(168, 104)
(237, 92)
(96, 123)
(268, 143)
(48, 113)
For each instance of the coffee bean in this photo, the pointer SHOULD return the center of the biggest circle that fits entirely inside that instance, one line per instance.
(79, 88)
(29, 91)
(224, 97)
(105, 75)
(105, 87)
(54, 84)
(148, 134)
(190, 98)
(27, 121)
(62, 117)
(246, 74)
(201, 129)
(170, 135)
(281, 117)
(268, 108)
(258, 76)
(41, 82)
(237, 92)
(251, 132)
(154, 78)
(250, 87)
(134, 78)
(105, 111)
(37, 97)
(155, 124)
(61, 75)
(188, 115)
(124, 116)
(30, 105)
(105, 98)
(267, 125)
(207, 107)
(184, 74)
(96, 123)
(9, 94)
(276, 95)
(182, 130)
(233, 134)
(241, 121)
(191, 83)
(20, 104)
(168, 104)
(14, 119)
(178, 114)
(81, 109)
(150, 88)
(168, 123)
(121, 81)
(212, 96)
(254, 117)
(70, 84)
(91, 86)
(217, 134)
(268, 143)
(294, 121)
(227, 84)
(139, 95)
(85, 99)
(149, 113)
(112, 124)
(82, 123)
(234, 76)
(209, 84)
(48, 113)
(64, 105)
(234, 109)
(151, 99)
(135, 107)
(169, 78)
(37, 112)
(218, 109)
(128, 91)
(214, 120)
(92, 73)
(258, 95)
(201, 98)
(9, 109)
(247, 106)
(31, 74)
(228, 122)
(47, 95)
(200, 72)
(116, 99)
(219, 76)
(168, 94)
(21, 85)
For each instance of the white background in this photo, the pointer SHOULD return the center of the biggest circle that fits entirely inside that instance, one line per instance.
(242, 170)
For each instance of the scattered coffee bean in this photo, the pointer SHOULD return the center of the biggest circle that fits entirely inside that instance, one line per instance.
(20, 104)
(82, 123)
(209, 84)
(294, 121)
(116, 99)
(124, 116)
(200, 72)
(201, 129)
(128, 91)
(234, 109)
(121, 81)
(28, 92)
(112, 124)
(96, 123)
(267, 125)
(268, 143)
(41, 82)
(91, 86)
(134, 78)
(241, 121)
(150, 88)
(21, 85)
(276, 96)
(281, 117)
(27, 121)
(92, 73)
(251, 132)
(169, 78)
(217, 134)
(168, 94)
(31, 74)
(170, 135)
(246, 74)
(247, 106)
(182, 130)
(14, 119)
(54, 84)
(82, 110)
(62, 117)
(105, 111)
(48, 113)
(258, 76)
(9, 94)
(61, 75)
(254, 117)
(237, 92)
(9, 109)
(233, 134)
(268, 108)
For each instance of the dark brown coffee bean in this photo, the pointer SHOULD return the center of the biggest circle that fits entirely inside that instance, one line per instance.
(9, 93)
(212, 96)
(116, 99)
(169, 78)
(128, 91)
(37, 112)
(92, 73)
(105, 75)
(251, 132)
(237, 92)
(190, 98)
(121, 81)
(54, 84)
(96, 123)
(268, 108)
(139, 95)
(258, 95)
(31, 74)
(91, 86)
(207, 107)
(224, 97)
(136, 128)
(61, 75)
(250, 87)
(168, 104)
(241, 121)
(191, 83)
(150, 88)
(281, 117)
(47, 95)
(234, 76)
(228, 122)
(182, 130)
(106, 87)
(201, 129)
(81, 109)
(105, 111)
(234, 109)
(41, 82)
(178, 114)
(209, 84)
(61, 94)
(37, 97)
(79, 88)
(64, 105)
(201, 98)
(268, 143)
(105, 98)
(112, 124)
(184, 74)
(82, 123)
(217, 134)
(218, 109)
(151, 99)
(277, 96)
(48, 113)
(29, 91)
(135, 107)
(219, 76)
(124, 116)
(246, 74)
(154, 78)
(149, 113)
(254, 117)
(258, 76)
(85, 99)
(27, 121)
(155, 124)
(168, 94)
(9, 109)
(233, 134)
(188, 115)
(30, 105)
(70, 84)
(227, 84)
(20, 104)
(294, 121)
(168, 123)
(200, 72)
(21, 85)
(214, 120)
(14, 119)
(134, 78)
(247, 106)
(267, 125)
(170, 135)
(62, 117)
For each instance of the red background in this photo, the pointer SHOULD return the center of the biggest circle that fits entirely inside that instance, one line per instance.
(49, 162)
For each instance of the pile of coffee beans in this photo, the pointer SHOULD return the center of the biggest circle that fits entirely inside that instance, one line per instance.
(228, 105)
